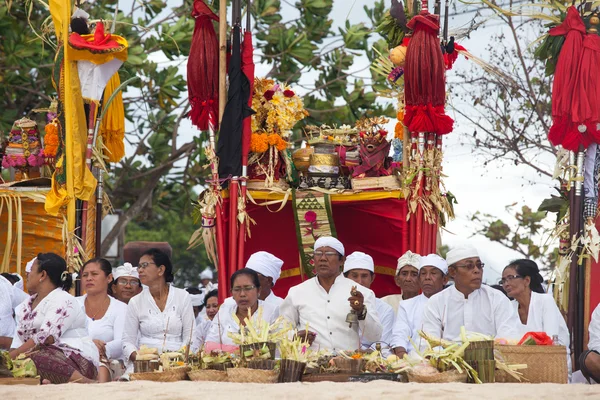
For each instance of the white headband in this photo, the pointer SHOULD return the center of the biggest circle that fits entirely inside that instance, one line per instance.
(433, 260)
(125, 270)
(329, 241)
(359, 260)
(460, 253)
(266, 264)
(408, 258)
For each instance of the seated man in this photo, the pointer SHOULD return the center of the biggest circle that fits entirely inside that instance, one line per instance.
(126, 283)
(268, 268)
(406, 279)
(361, 269)
(589, 360)
(323, 302)
(478, 308)
(433, 272)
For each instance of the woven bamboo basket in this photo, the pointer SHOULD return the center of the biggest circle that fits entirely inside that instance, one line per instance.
(442, 377)
(247, 375)
(258, 346)
(262, 364)
(172, 375)
(545, 364)
(350, 366)
(205, 375)
(291, 371)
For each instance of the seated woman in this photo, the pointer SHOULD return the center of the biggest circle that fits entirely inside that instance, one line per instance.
(161, 316)
(211, 306)
(52, 326)
(245, 287)
(106, 315)
(126, 283)
(537, 310)
(589, 361)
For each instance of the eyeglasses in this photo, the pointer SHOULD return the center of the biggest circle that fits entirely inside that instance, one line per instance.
(144, 265)
(509, 278)
(328, 254)
(471, 266)
(240, 289)
(125, 283)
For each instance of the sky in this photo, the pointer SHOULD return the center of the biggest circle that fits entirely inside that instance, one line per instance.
(485, 189)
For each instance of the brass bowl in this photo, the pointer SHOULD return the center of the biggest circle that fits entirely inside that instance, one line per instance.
(301, 158)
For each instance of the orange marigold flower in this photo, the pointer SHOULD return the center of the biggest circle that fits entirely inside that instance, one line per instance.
(399, 131)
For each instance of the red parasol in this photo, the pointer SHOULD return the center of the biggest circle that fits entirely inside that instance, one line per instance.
(203, 67)
(565, 76)
(424, 77)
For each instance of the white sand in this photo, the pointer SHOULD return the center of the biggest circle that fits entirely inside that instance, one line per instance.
(323, 390)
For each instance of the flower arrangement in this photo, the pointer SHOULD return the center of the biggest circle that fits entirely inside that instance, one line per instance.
(51, 139)
(278, 108)
(260, 142)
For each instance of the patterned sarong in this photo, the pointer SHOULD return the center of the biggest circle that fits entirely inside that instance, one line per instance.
(54, 365)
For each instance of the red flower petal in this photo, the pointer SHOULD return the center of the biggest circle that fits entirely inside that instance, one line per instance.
(269, 95)
(289, 93)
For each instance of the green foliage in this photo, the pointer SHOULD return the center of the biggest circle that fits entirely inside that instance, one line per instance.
(527, 234)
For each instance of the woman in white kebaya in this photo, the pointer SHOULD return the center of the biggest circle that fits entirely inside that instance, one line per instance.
(245, 287)
(162, 315)
(106, 315)
(537, 311)
(203, 323)
(52, 326)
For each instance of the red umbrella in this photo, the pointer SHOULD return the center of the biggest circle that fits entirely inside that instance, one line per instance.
(424, 77)
(203, 68)
(248, 70)
(565, 76)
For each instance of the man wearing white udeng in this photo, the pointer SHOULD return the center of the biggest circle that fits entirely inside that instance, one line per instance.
(325, 300)
(479, 308)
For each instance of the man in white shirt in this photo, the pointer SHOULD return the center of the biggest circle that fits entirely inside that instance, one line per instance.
(467, 303)
(406, 278)
(433, 271)
(10, 298)
(589, 361)
(322, 303)
(206, 278)
(268, 268)
(361, 269)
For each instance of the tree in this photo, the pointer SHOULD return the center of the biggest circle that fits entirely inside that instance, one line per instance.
(155, 181)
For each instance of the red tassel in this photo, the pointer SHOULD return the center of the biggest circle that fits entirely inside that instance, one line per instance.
(565, 74)
(203, 67)
(424, 78)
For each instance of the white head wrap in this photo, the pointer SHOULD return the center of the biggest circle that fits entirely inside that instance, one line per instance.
(206, 274)
(125, 270)
(29, 265)
(359, 260)
(408, 258)
(433, 260)
(460, 253)
(266, 264)
(197, 299)
(329, 241)
(19, 283)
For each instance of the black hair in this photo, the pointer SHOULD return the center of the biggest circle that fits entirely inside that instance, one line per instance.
(161, 258)
(529, 268)
(105, 265)
(212, 293)
(56, 269)
(500, 288)
(248, 272)
(193, 290)
(12, 278)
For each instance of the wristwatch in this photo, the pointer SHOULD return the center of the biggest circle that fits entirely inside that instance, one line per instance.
(363, 314)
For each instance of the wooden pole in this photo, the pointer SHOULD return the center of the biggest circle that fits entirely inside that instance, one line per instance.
(222, 58)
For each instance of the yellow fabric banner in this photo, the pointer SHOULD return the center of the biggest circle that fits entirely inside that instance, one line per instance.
(80, 183)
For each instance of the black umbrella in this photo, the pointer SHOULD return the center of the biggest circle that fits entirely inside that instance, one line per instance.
(229, 147)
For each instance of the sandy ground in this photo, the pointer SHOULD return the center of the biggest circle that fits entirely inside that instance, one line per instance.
(322, 390)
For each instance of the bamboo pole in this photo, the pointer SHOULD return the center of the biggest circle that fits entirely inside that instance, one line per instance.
(222, 58)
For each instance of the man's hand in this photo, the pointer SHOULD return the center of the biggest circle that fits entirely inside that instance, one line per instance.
(310, 336)
(356, 300)
(400, 352)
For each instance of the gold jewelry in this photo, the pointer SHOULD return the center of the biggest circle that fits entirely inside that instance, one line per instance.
(93, 317)
(356, 302)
